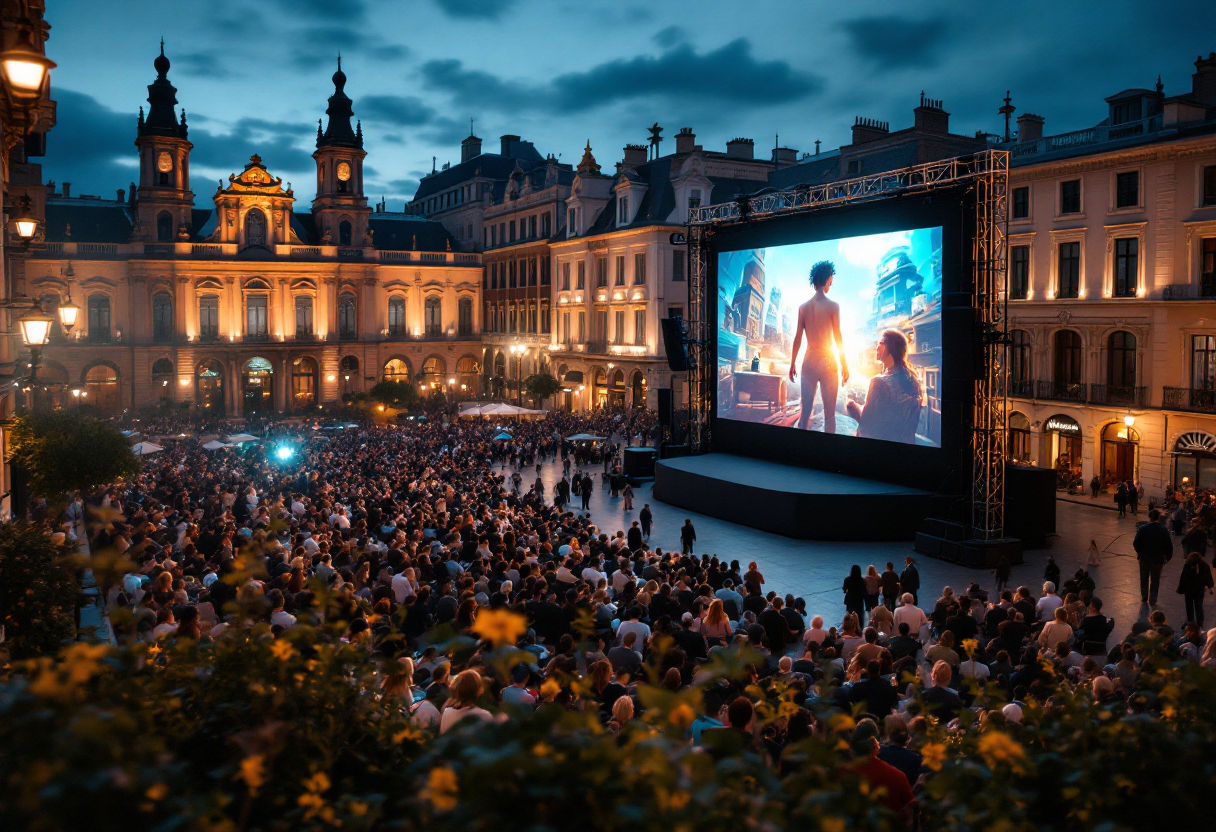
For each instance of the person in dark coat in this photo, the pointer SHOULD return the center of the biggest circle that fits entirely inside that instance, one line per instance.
(1195, 580)
(854, 588)
(1154, 548)
(1121, 498)
(1094, 485)
(909, 579)
(890, 586)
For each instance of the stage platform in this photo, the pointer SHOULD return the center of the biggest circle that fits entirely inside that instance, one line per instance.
(796, 502)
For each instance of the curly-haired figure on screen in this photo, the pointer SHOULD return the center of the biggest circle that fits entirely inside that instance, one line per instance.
(819, 320)
(895, 397)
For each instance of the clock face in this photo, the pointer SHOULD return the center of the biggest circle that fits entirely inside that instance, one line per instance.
(343, 171)
(164, 162)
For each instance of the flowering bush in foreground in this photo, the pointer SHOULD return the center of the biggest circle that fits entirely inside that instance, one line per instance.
(258, 733)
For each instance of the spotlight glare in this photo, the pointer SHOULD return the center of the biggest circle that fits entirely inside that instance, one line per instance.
(284, 452)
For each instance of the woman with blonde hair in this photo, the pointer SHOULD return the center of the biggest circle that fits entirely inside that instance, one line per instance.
(398, 688)
(622, 714)
(462, 703)
(716, 623)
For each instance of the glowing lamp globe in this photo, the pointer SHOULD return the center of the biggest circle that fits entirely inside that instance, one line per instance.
(24, 67)
(35, 328)
(68, 313)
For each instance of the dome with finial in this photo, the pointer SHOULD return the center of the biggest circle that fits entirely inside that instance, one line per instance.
(161, 63)
(162, 96)
(339, 132)
(339, 77)
(588, 165)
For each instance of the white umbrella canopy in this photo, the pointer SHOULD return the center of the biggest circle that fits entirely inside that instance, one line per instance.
(145, 448)
(585, 437)
(238, 438)
(215, 445)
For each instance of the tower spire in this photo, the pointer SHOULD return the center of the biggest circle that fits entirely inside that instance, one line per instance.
(339, 131)
(162, 96)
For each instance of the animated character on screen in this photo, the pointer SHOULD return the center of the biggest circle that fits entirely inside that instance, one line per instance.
(894, 400)
(819, 320)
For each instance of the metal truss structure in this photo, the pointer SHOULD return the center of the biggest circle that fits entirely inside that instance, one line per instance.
(988, 174)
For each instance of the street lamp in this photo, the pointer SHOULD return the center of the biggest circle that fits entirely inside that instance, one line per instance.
(68, 313)
(35, 333)
(518, 350)
(25, 225)
(24, 67)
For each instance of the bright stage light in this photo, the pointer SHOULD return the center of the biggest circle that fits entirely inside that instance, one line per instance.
(284, 452)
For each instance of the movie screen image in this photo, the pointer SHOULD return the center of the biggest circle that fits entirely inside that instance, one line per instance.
(839, 336)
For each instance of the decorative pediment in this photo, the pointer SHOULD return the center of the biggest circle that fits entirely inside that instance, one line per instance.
(255, 179)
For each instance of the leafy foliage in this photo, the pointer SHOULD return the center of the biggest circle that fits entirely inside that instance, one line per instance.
(38, 591)
(396, 394)
(541, 386)
(65, 451)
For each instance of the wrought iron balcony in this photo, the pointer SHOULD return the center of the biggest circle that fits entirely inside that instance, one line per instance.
(1187, 398)
(1116, 395)
(1061, 391)
(256, 337)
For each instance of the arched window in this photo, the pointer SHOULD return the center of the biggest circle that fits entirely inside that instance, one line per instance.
(164, 227)
(349, 368)
(1066, 378)
(99, 319)
(397, 369)
(209, 387)
(347, 328)
(162, 379)
(396, 316)
(464, 316)
(433, 371)
(258, 386)
(434, 316)
(303, 383)
(1020, 379)
(344, 233)
(101, 384)
(1121, 361)
(1019, 438)
(255, 227)
(162, 317)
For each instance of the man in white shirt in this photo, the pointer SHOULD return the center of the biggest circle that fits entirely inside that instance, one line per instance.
(339, 520)
(564, 575)
(910, 614)
(278, 615)
(297, 506)
(633, 625)
(621, 578)
(311, 547)
(815, 632)
(592, 573)
(402, 586)
(165, 625)
(1046, 607)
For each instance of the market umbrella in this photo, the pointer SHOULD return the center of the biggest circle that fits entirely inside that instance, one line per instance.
(238, 438)
(145, 448)
(504, 435)
(215, 445)
(584, 437)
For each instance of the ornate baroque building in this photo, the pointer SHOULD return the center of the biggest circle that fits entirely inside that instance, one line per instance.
(1112, 291)
(250, 305)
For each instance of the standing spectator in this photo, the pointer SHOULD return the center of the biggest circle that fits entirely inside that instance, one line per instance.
(646, 518)
(873, 587)
(854, 588)
(1195, 580)
(890, 586)
(909, 580)
(688, 536)
(1154, 548)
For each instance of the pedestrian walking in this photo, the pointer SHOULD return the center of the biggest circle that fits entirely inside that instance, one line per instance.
(688, 536)
(1193, 583)
(1002, 573)
(628, 494)
(1092, 556)
(1154, 548)
(646, 517)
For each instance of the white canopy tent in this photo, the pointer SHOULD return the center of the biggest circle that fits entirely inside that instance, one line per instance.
(145, 448)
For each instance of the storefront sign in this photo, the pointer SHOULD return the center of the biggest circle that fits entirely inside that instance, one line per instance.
(1062, 424)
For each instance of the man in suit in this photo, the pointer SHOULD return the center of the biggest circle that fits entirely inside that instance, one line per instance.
(909, 579)
(1154, 548)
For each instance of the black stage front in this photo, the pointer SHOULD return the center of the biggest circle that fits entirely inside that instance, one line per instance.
(795, 502)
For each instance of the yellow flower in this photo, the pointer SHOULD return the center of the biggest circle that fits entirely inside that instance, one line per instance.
(682, 715)
(253, 772)
(63, 680)
(358, 809)
(970, 645)
(541, 750)
(312, 801)
(499, 627)
(441, 789)
(934, 754)
(550, 688)
(318, 783)
(832, 824)
(157, 791)
(282, 650)
(997, 747)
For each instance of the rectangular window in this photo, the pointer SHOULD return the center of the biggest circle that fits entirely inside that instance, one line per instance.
(493, 236)
(677, 265)
(1070, 197)
(1207, 268)
(162, 318)
(694, 198)
(1127, 189)
(1203, 362)
(639, 269)
(1209, 185)
(545, 225)
(675, 311)
(623, 206)
(502, 233)
(601, 325)
(1127, 261)
(511, 320)
(492, 280)
(303, 317)
(1019, 272)
(565, 277)
(544, 319)
(396, 316)
(601, 272)
(511, 274)
(582, 327)
(209, 316)
(571, 225)
(581, 277)
(532, 271)
(544, 271)
(511, 226)
(639, 327)
(619, 326)
(1069, 270)
(854, 167)
(255, 318)
(532, 226)
(1021, 202)
(620, 270)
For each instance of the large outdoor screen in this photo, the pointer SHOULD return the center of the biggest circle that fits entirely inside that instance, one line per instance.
(840, 336)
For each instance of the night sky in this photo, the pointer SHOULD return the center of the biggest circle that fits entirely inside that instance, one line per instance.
(254, 76)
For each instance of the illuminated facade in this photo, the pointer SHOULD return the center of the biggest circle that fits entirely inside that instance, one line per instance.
(250, 305)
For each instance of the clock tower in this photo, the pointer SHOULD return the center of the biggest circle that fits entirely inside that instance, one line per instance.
(163, 201)
(340, 209)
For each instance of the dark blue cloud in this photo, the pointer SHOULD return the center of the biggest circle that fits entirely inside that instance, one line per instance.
(204, 64)
(475, 9)
(399, 110)
(336, 11)
(317, 47)
(728, 75)
(670, 36)
(894, 42)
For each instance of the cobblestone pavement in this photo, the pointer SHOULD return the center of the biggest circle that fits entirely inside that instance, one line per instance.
(814, 570)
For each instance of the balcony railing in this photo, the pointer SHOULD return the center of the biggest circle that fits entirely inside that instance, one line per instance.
(1122, 396)
(1060, 391)
(1019, 388)
(597, 347)
(256, 337)
(1186, 398)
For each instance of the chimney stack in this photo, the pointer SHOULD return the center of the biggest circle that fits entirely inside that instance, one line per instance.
(686, 140)
(930, 117)
(131, 194)
(635, 154)
(1030, 127)
(868, 129)
(1203, 82)
(67, 189)
(740, 149)
(122, 195)
(505, 144)
(470, 148)
(783, 157)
